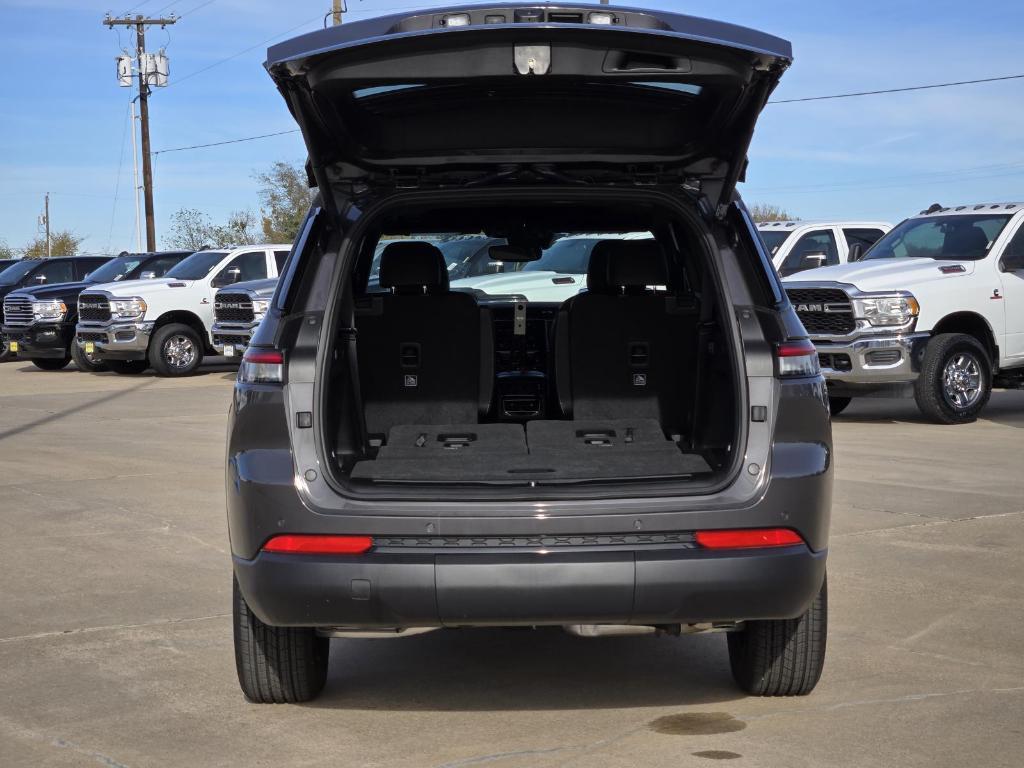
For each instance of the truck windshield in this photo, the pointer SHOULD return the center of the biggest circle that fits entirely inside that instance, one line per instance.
(197, 266)
(114, 270)
(960, 238)
(773, 240)
(16, 271)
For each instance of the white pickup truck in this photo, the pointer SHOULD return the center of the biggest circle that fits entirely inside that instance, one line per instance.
(796, 246)
(167, 323)
(935, 307)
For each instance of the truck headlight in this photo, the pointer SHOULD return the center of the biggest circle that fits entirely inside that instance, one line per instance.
(887, 310)
(259, 308)
(50, 309)
(128, 309)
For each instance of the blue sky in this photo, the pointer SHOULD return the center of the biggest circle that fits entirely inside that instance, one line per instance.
(64, 117)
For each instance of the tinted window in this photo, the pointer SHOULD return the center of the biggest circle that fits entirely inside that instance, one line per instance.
(807, 251)
(197, 266)
(13, 274)
(160, 266)
(280, 257)
(244, 267)
(966, 238)
(567, 256)
(863, 237)
(1015, 248)
(774, 239)
(53, 272)
(114, 270)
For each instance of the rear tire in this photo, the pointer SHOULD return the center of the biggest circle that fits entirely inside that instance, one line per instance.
(277, 665)
(955, 382)
(783, 657)
(127, 367)
(86, 362)
(50, 363)
(175, 350)
(838, 404)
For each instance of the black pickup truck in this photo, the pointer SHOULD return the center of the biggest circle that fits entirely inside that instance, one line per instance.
(39, 322)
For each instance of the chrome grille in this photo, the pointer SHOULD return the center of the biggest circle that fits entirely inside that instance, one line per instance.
(93, 307)
(823, 310)
(18, 310)
(233, 308)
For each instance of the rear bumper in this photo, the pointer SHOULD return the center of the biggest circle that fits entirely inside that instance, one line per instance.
(117, 341)
(659, 586)
(40, 340)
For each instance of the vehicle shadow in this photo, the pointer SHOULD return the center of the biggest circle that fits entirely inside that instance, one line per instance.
(1006, 408)
(478, 670)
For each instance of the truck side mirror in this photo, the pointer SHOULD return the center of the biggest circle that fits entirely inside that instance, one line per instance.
(815, 259)
(147, 275)
(227, 277)
(40, 279)
(856, 252)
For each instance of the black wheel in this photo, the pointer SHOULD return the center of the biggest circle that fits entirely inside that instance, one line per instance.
(127, 367)
(86, 362)
(784, 657)
(955, 381)
(277, 665)
(838, 404)
(50, 363)
(175, 350)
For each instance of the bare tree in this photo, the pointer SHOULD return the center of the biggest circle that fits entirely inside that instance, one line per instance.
(768, 212)
(192, 229)
(6, 252)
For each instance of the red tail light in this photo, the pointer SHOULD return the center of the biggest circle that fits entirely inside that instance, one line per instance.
(299, 544)
(797, 358)
(261, 366)
(748, 538)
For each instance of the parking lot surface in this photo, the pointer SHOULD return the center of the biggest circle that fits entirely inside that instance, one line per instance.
(115, 642)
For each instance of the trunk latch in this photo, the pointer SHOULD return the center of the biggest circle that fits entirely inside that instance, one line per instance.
(533, 59)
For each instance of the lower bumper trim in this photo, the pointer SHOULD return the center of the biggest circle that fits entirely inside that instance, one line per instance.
(382, 591)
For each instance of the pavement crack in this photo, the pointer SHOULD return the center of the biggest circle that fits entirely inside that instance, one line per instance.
(931, 522)
(110, 627)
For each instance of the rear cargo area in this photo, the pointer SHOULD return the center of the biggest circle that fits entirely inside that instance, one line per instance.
(531, 347)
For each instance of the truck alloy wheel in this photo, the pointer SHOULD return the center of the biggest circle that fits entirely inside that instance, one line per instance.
(175, 350)
(961, 380)
(86, 362)
(955, 380)
(179, 351)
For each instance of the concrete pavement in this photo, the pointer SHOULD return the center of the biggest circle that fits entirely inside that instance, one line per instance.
(115, 640)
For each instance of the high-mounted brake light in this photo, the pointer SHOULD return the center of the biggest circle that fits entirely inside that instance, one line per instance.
(301, 544)
(261, 366)
(748, 538)
(797, 358)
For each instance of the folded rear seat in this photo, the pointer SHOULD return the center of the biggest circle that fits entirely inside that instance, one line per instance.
(616, 434)
(420, 441)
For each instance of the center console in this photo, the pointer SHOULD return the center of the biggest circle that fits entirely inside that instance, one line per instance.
(523, 360)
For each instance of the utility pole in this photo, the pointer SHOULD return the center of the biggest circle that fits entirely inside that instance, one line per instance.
(145, 74)
(337, 12)
(46, 217)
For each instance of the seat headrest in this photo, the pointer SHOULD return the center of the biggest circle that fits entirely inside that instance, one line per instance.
(597, 269)
(413, 265)
(969, 242)
(635, 263)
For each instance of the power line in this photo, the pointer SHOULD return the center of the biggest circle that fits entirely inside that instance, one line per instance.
(196, 8)
(228, 141)
(899, 90)
(120, 163)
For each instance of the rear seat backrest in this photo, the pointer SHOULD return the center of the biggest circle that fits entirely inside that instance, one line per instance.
(419, 347)
(622, 349)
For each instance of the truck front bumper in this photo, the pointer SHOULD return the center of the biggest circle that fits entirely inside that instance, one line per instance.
(116, 341)
(39, 340)
(231, 340)
(634, 586)
(875, 361)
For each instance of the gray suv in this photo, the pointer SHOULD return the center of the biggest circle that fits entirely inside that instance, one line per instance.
(652, 455)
